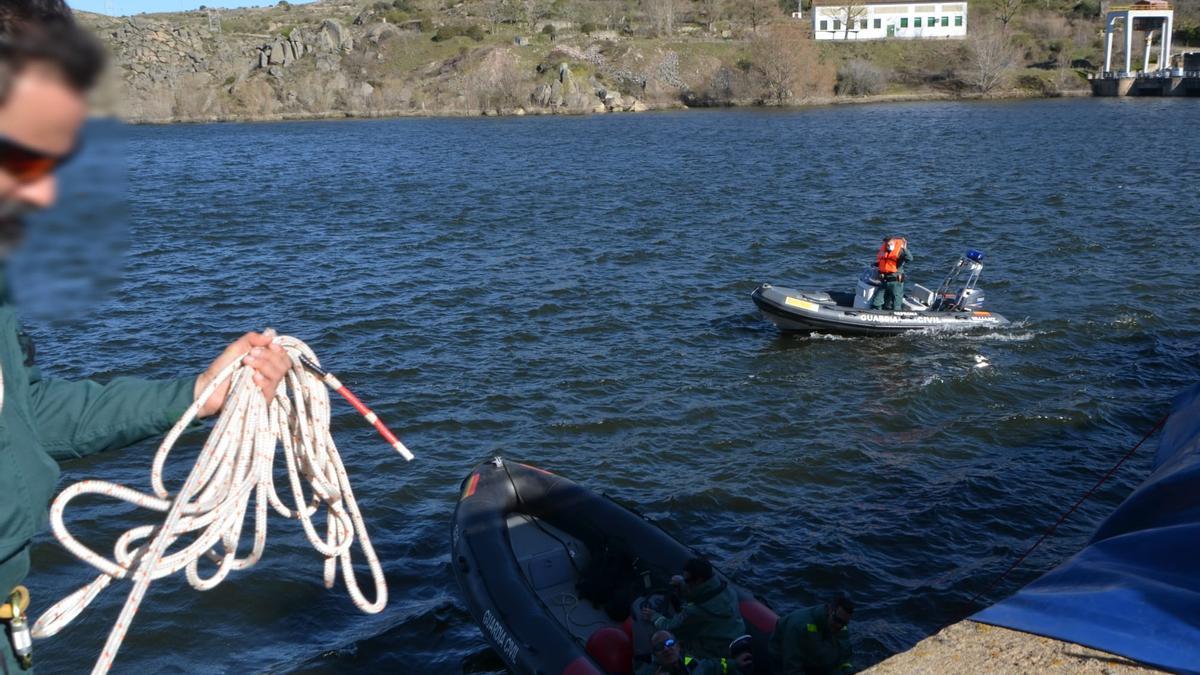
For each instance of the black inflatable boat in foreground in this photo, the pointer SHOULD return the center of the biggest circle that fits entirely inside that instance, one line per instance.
(549, 570)
(956, 305)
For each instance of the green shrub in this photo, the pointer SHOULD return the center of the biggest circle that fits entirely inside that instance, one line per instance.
(1031, 82)
(549, 29)
(1087, 8)
(402, 5)
(447, 32)
(444, 33)
(1185, 34)
(588, 28)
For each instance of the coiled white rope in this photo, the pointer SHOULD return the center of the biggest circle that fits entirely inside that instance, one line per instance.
(209, 510)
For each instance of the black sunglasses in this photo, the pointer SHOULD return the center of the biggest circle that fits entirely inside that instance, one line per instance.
(28, 165)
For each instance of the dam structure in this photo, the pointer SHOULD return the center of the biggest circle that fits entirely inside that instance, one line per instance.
(1168, 75)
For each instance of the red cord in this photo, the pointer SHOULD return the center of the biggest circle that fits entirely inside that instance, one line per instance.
(1064, 516)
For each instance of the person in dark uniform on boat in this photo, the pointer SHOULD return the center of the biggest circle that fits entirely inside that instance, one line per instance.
(893, 255)
(709, 618)
(814, 640)
(47, 66)
(668, 657)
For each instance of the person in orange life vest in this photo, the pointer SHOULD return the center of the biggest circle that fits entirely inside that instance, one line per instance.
(892, 257)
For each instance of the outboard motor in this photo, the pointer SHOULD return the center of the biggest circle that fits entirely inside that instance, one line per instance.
(869, 283)
(970, 298)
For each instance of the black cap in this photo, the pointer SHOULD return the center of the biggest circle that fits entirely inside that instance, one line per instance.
(741, 645)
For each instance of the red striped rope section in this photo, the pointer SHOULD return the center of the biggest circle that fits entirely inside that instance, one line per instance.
(336, 385)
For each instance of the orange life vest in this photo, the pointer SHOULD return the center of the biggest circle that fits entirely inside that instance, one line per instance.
(889, 255)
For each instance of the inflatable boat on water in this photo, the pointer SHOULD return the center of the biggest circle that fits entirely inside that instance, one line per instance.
(957, 304)
(550, 570)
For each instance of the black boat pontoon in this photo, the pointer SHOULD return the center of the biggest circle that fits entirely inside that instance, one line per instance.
(550, 569)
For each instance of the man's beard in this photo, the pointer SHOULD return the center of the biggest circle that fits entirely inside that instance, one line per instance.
(12, 224)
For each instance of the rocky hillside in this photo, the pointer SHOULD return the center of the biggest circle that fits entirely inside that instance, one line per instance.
(328, 59)
(471, 57)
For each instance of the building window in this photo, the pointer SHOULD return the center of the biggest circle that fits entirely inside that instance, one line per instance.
(945, 21)
(878, 24)
(862, 24)
(837, 24)
(917, 22)
(824, 25)
(958, 21)
(904, 22)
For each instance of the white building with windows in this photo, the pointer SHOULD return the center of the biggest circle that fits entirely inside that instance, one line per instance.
(881, 19)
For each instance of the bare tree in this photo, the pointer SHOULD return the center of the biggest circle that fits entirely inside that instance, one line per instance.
(513, 11)
(495, 12)
(755, 12)
(852, 13)
(585, 11)
(661, 14)
(712, 10)
(1006, 10)
(991, 58)
(788, 64)
(536, 10)
(611, 13)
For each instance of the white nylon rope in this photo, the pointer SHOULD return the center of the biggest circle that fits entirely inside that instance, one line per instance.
(207, 514)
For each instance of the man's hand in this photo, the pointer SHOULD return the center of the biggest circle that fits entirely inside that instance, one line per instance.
(269, 361)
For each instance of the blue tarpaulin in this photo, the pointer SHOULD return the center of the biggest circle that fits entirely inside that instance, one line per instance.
(1135, 589)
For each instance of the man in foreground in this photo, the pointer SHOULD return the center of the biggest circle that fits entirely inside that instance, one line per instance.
(47, 66)
(814, 640)
(709, 618)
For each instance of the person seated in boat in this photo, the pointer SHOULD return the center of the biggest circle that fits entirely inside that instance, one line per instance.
(709, 617)
(892, 257)
(814, 640)
(669, 658)
(741, 656)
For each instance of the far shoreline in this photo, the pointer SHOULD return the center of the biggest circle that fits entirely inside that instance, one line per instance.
(815, 102)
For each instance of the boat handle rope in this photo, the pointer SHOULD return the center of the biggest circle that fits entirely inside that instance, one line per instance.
(210, 508)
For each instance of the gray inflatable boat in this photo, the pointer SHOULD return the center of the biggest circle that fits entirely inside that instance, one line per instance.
(956, 305)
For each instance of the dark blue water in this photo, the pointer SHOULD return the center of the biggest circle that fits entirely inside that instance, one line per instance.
(575, 293)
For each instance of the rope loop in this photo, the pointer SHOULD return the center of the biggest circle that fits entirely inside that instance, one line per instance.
(208, 512)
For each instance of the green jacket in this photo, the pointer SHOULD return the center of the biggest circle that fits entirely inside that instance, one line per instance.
(45, 421)
(708, 621)
(802, 643)
(905, 258)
